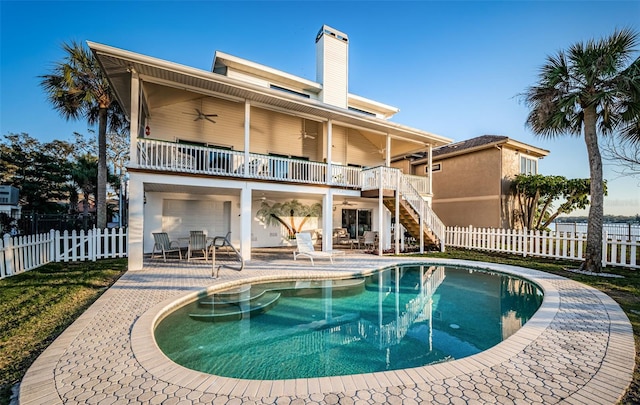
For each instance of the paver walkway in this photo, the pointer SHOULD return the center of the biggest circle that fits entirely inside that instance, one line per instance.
(578, 348)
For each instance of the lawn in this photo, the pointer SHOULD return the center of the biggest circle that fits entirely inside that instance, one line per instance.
(36, 306)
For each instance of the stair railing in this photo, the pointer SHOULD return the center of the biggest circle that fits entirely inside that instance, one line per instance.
(390, 178)
(430, 219)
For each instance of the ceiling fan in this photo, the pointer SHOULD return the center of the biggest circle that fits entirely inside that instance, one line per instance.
(202, 116)
(304, 134)
(264, 199)
(345, 202)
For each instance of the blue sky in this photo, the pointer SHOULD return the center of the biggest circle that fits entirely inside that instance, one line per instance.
(454, 68)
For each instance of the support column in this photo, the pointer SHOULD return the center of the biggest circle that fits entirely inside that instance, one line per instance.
(247, 135)
(245, 223)
(329, 179)
(387, 158)
(327, 221)
(397, 213)
(380, 211)
(134, 122)
(429, 166)
(135, 250)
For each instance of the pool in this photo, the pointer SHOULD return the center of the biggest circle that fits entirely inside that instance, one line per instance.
(396, 318)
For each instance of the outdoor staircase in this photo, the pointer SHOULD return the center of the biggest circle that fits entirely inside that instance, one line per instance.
(389, 183)
(410, 220)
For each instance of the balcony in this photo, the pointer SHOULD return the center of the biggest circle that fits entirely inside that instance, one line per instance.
(204, 160)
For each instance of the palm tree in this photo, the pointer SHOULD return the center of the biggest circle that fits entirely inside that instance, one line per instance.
(589, 90)
(84, 174)
(77, 88)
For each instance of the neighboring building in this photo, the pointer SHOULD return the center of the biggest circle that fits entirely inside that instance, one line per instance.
(10, 201)
(208, 148)
(472, 179)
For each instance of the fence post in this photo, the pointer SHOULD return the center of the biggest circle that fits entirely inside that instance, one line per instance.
(52, 245)
(8, 255)
(605, 242)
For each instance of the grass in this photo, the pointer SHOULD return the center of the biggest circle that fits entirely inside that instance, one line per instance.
(625, 291)
(36, 306)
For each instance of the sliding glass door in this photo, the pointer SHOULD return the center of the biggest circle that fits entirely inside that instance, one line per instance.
(356, 222)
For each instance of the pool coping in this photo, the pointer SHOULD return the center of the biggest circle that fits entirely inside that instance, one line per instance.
(157, 363)
(606, 385)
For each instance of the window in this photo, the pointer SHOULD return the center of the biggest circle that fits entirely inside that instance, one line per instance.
(361, 111)
(434, 168)
(528, 165)
(297, 93)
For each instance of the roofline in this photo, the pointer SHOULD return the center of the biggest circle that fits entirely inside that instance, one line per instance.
(254, 65)
(332, 111)
(517, 145)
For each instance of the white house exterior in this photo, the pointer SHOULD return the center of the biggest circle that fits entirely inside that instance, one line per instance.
(10, 201)
(208, 147)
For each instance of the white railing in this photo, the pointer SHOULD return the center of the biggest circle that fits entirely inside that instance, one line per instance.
(559, 245)
(23, 253)
(184, 158)
(420, 183)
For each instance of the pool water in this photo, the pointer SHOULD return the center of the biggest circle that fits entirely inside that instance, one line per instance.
(399, 317)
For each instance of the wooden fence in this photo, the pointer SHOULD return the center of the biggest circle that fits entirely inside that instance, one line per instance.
(616, 251)
(23, 253)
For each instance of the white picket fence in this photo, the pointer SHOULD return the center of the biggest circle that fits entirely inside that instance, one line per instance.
(616, 251)
(23, 253)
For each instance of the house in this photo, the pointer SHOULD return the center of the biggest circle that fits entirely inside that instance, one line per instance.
(211, 149)
(472, 179)
(10, 201)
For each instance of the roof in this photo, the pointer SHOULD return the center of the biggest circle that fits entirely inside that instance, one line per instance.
(119, 64)
(480, 143)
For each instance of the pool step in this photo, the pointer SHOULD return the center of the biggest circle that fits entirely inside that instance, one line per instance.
(220, 312)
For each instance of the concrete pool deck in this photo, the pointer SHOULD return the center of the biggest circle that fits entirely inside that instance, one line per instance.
(577, 349)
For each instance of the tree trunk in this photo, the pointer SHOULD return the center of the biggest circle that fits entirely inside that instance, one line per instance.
(101, 195)
(593, 256)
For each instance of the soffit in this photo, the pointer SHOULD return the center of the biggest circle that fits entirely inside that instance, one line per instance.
(119, 64)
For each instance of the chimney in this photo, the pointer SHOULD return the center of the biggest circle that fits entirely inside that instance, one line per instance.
(332, 66)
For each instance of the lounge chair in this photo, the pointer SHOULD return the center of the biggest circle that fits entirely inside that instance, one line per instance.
(163, 244)
(197, 243)
(306, 249)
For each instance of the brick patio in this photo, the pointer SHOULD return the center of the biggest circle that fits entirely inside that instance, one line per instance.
(577, 349)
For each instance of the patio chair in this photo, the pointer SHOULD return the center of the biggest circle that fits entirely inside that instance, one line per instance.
(306, 249)
(164, 245)
(197, 243)
(370, 240)
(220, 241)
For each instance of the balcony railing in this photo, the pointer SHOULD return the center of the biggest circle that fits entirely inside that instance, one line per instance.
(176, 157)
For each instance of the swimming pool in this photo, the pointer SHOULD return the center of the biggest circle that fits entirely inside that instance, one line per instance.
(400, 317)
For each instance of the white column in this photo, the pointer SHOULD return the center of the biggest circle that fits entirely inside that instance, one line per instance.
(381, 223)
(136, 223)
(397, 213)
(134, 122)
(430, 173)
(245, 223)
(387, 158)
(247, 134)
(327, 221)
(329, 152)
